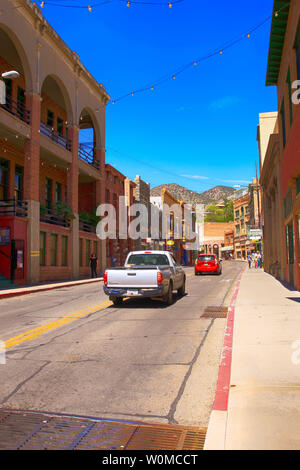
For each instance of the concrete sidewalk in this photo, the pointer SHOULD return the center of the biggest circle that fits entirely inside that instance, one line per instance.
(16, 291)
(263, 408)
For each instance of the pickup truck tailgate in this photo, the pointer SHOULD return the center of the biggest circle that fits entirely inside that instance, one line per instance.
(146, 277)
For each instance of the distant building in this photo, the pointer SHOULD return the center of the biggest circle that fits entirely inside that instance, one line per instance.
(116, 185)
(142, 196)
(227, 251)
(213, 241)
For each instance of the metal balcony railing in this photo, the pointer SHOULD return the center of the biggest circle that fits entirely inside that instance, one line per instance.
(17, 108)
(86, 226)
(52, 134)
(13, 208)
(51, 217)
(87, 154)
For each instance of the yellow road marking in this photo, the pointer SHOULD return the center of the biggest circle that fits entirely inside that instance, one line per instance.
(35, 332)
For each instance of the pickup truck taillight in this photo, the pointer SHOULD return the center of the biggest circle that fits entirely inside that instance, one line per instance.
(105, 278)
(160, 278)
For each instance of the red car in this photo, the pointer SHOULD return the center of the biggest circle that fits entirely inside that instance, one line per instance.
(208, 264)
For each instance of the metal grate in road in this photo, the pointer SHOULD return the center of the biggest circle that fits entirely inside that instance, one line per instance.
(215, 312)
(43, 431)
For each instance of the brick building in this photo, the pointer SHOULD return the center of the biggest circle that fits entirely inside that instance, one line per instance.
(46, 230)
(142, 196)
(281, 185)
(213, 241)
(116, 186)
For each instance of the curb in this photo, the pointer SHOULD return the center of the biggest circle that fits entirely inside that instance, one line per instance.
(215, 436)
(33, 290)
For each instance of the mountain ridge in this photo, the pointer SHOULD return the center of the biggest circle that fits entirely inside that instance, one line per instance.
(211, 196)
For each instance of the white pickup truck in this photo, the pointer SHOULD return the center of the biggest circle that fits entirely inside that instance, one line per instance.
(145, 274)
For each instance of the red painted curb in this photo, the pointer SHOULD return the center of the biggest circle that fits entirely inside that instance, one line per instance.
(26, 292)
(222, 392)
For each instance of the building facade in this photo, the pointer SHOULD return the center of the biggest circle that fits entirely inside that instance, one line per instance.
(46, 230)
(142, 196)
(213, 241)
(118, 185)
(283, 71)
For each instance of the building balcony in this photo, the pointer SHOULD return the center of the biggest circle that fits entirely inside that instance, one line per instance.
(85, 226)
(13, 208)
(52, 134)
(17, 108)
(50, 216)
(87, 154)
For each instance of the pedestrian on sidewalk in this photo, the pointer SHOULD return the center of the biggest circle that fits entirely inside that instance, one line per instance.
(258, 260)
(93, 264)
(249, 260)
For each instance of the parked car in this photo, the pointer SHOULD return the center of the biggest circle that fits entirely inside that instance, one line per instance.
(145, 274)
(208, 264)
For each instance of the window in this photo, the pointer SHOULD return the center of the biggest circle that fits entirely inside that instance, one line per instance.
(107, 196)
(19, 183)
(298, 185)
(50, 118)
(53, 250)
(288, 203)
(8, 87)
(289, 85)
(64, 250)
(148, 260)
(58, 192)
(48, 196)
(282, 114)
(4, 169)
(96, 248)
(42, 248)
(88, 252)
(80, 252)
(21, 101)
(290, 243)
(237, 214)
(60, 126)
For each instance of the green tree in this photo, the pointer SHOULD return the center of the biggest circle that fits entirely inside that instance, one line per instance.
(228, 211)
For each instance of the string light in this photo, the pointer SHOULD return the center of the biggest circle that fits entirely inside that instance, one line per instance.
(203, 58)
(104, 2)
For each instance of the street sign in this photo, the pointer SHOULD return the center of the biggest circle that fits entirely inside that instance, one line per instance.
(255, 234)
(170, 242)
(2, 92)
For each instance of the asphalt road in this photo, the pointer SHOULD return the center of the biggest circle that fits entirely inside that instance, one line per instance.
(71, 351)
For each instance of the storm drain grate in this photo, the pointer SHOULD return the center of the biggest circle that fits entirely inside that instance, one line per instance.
(215, 312)
(41, 431)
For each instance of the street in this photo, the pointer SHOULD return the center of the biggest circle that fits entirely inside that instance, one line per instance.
(70, 351)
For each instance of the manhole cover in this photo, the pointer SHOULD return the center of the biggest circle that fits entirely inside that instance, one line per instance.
(43, 431)
(215, 312)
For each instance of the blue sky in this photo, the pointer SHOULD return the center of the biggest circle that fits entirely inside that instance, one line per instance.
(198, 130)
